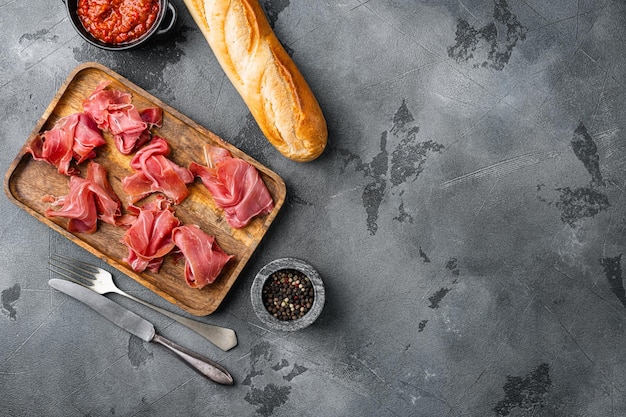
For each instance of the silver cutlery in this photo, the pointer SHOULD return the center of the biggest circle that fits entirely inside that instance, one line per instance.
(101, 282)
(141, 328)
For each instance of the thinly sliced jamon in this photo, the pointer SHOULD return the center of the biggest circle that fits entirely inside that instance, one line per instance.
(108, 203)
(204, 259)
(128, 129)
(154, 172)
(89, 199)
(102, 101)
(149, 238)
(153, 116)
(114, 112)
(235, 185)
(72, 138)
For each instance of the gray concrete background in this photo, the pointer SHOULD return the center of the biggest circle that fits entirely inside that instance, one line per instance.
(467, 219)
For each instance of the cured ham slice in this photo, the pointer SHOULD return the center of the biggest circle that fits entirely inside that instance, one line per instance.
(114, 112)
(102, 101)
(235, 185)
(108, 204)
(204, 259)
(72, 138)
(89, 199)
(128, 129)
(149, 238)
(154, 172)
(153, 116)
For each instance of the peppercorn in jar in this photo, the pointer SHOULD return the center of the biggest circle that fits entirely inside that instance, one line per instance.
(288, 294)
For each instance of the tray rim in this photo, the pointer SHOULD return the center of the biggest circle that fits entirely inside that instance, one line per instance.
(120, 266)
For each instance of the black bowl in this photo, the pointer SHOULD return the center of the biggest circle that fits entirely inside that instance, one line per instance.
(161, 27)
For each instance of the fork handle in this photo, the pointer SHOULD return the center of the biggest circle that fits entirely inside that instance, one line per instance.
(222, 337)
(205, 366)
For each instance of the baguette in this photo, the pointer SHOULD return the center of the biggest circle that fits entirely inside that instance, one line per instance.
(264, 75)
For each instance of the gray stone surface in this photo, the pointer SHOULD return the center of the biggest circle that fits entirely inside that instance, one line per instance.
(467, 218)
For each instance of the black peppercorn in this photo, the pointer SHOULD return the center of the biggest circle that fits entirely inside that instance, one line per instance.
(288, 294)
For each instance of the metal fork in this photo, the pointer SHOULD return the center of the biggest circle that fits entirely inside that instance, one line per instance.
(101, 282)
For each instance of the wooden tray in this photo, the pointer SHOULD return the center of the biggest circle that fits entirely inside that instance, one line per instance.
(27, 181)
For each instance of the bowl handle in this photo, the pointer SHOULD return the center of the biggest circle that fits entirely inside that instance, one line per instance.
(174, 15)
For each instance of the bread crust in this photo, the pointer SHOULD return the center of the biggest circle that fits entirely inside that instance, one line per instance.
(265, 76)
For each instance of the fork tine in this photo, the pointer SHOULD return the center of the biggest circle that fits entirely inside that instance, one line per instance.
(71, 275)
(75, 263)
(76, 271)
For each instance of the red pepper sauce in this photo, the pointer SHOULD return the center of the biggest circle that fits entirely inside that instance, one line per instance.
(117, 21)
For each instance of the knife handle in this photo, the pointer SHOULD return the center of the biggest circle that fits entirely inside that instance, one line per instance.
(222, 337)
(205, 366)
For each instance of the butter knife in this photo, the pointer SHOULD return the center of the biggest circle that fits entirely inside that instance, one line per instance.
(141, 328)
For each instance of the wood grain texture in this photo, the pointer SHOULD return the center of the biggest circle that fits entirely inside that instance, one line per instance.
(27, 181)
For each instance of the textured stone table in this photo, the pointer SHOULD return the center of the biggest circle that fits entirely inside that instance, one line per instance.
(467, 218)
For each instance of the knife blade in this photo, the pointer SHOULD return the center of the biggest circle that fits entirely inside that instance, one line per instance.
(141, 328)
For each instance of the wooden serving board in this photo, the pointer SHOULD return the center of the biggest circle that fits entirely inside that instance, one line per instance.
(27, 181)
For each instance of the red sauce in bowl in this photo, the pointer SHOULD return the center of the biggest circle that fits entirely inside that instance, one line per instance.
(117, 21)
